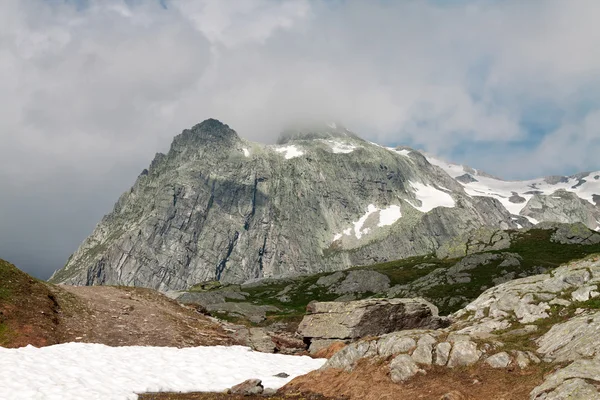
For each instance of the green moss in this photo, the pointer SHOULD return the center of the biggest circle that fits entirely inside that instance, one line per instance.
(6, 334)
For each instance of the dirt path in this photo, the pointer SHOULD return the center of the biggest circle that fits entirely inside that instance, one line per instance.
(125, 316)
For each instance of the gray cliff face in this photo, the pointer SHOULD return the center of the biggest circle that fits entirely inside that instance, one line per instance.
(562, 206)
(217, 207)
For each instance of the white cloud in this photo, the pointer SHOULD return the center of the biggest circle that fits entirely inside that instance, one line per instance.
(95, 90)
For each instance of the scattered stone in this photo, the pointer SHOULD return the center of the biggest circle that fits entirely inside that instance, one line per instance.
(281, 375)
(261, 341)
(403, 367)
(423, 354)
(585, 293)
(498, 360)
(442, 353)
(247, 388)
(464, 353)
(522, 359)
(287, 343)
(393, 344)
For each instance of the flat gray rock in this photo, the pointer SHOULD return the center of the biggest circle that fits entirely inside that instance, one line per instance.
(370, 317)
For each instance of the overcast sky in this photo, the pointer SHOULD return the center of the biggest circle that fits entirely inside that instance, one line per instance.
(90, 90)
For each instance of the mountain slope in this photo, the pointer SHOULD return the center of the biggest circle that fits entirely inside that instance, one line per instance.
(447, 283)
(219, 207)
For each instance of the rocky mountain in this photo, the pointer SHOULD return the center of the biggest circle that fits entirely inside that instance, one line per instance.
(218, 207)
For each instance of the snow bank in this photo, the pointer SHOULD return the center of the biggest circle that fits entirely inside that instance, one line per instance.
(95, 371)
(387, 216)
(289, 151)
(431, 197)
(246, 152)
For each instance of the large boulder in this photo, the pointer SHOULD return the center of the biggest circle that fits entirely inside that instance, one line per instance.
(370, 317)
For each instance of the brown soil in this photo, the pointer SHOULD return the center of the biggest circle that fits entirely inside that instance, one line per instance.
(328, 352)
(40, 314)
(223, 396)
(126, 316)
(29, 312)
(370, 381)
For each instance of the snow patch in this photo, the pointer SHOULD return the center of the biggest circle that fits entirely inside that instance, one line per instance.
(246, 152)
(290, 151)
(389, 216)
(402, 152)
(359, 224)
(332, 125)
(532, 220)
(94, 371)
(340, 147)
(430, 197)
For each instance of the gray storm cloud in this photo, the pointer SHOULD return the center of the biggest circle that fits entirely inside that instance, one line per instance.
(89, 91)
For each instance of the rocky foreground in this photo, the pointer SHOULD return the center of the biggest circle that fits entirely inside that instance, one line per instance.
(539, 336)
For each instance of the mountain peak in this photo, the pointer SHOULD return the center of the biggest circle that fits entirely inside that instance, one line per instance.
(207, 131)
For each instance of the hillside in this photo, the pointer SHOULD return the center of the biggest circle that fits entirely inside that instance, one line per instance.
(449, 283)
(41, 314)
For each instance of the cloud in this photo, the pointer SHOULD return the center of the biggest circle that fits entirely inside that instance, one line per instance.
(90, 90)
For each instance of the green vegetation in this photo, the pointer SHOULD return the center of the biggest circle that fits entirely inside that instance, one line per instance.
(535, 247)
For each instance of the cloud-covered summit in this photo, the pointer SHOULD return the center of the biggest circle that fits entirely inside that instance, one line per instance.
(90, 90)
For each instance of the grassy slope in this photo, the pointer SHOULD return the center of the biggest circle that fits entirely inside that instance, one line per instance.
(28, 309)
(534, 246)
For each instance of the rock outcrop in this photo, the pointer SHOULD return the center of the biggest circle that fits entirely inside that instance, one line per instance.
(556, 312)
(329, 321)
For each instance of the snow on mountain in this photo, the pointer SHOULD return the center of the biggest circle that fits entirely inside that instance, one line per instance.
(431, 197)
(289, 151)
(515, 195)
(383, 217)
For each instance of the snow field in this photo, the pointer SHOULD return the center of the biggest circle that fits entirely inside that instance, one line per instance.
(387, 216)
(430, 197)
(503, 190)
(94, 371)
(289, 151)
